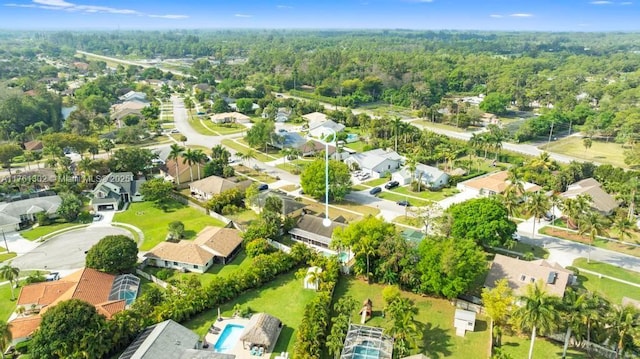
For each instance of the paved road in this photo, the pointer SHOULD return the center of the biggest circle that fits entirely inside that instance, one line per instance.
(134, 63)
(565, 252)
(67, 250)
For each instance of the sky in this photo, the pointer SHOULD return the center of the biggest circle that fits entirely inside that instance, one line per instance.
(503, 15)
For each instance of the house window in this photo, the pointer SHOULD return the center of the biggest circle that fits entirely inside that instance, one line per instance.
(175, 263)
(532, 280)
(195, 266)
(523, 277)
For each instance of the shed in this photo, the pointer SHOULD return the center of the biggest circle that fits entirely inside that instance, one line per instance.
(464, 320)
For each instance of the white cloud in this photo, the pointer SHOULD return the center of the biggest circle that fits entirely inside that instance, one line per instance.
(88, 9)
(626, 3)
(521, 15)
(601, 2)
(243, 15)
(284, 7)
(496, 16)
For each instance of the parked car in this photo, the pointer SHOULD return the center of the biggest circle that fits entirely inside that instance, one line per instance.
(97, 217)
(549, 217)
(52, 276)
(515, 236)
(175, 130)
(375, 190)
(263, 187)
(392, 184)
(404, 203)
(364, 176)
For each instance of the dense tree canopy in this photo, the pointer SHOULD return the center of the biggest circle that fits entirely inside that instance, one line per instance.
(70, 329)
(312, 179)
(483, 220)
(113, 254)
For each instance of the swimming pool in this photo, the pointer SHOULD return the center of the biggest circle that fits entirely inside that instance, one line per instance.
(228, 338)
(364, 351)
(352, 137)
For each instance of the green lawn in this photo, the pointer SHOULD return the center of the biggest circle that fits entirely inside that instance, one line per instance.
(442, 126)
(409, 221)
(439, 339)
(258, 176)
(7, 306)
(244, 217)
(629, 249)
(608, 269)
(35, 233)
(376, 182)
(518, 347)
(154, 222)
(356, 146)
(428, 195)
(201, 128)
(284, 298)
(6, 256)
(359, 187)
(612, 290)
(238, 147)
(600, 151)
(524, 248)
(227, 129)
(392, 196)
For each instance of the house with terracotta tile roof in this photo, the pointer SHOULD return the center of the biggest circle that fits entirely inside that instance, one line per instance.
(520, 274)
(212, 244)
(104, 291)
(182, 173)
(492, 184)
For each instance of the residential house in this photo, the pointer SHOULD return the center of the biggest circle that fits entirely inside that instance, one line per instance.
(134, 96)
(34, 146)
(207, 187)
(311, 231)
(183, 172)
(492, 184)
(234, 106)
(283, 114)
(116, 189)
(169, 340)
(600, 200)
(375, 162)
(184, 256)
(290, 207)
(428, 175)
(313, 147)
(315, 117)
(81, 66)
(110, 294)
(285, 139)
(122, 110)
(230, 117)
(224, 243)
(21, 213)
(324, 128)
(520, 274)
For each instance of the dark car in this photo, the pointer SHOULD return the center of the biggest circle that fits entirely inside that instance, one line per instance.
(404, 203)
(392, 184)
(263, 187)
(375, 190)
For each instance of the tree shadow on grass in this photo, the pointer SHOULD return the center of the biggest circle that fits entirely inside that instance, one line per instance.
(190, 233)
(170, 206)
(435, 341)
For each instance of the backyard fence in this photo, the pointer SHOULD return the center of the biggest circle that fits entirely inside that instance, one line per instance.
(154, 279)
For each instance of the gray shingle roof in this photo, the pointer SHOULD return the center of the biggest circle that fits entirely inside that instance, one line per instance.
(166, 340)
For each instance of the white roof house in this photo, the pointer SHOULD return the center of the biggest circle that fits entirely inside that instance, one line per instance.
(315, 117)
(430, 176)
(376, 161)
(134, 96)
(323, 128)
(230, 117)
(15, 214)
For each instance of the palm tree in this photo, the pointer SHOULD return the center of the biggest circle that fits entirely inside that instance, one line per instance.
(574, 208)
(592, 224)
(623, 322)
(174, 154)
(5, 337)
(404, 328)
(9, 273)
(314, 278)
(28, 157)
(200, 157)
(538, 312)
(510, 200)
(247, 156)
(573, 308)
(537, 205)
(516, 184)
(623, 226)
(189, 158)
(543, 163)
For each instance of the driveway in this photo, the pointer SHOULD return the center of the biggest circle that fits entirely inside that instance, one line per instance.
(17, 243)
(67, 250)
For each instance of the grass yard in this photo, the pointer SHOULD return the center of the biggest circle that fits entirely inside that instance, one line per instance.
(428, 195)
(392, 196)
(442, 126)
(524, 248)
(154, 221)
(227, 129)
(608, 269)
(518, 347)
(241, 148)
(359, 187)
(271, 299)
(600, 243)
(439, 339)
(4, 256)
(243, 218)
(334, 211)
(202, 128)
(37, 232)
(257, 175)
(610, 289)
(356, 146)
(409, 221)
(289, 187)
(376, 182)
(600, 151)
(7, 306)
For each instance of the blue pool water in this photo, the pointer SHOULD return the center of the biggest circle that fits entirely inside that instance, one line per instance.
(228, 338)
(365, 352)
(352, 137)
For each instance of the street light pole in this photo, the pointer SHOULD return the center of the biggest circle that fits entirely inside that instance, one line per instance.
(326, 221)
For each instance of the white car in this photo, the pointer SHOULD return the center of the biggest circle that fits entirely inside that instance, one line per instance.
(515, 236)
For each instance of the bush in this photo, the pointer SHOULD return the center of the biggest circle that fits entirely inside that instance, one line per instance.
(164, 274)
(36, 277)
(43, 219)
(85, 217)
(23, 347)
(257, 247)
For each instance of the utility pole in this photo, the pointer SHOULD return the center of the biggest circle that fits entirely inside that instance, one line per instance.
(550, 134)
(5, 241)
